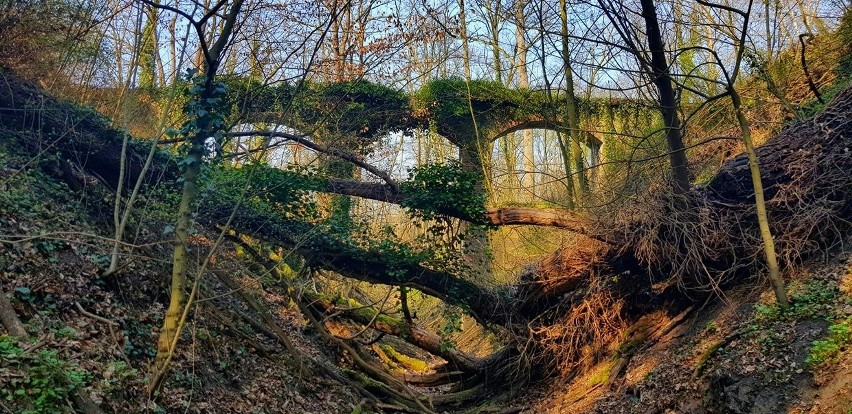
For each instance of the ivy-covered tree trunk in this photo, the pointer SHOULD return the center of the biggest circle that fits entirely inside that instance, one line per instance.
(192, 167)
(477, 247)
(149, 51)
(581, 186)
(339, 206)
(204, 121)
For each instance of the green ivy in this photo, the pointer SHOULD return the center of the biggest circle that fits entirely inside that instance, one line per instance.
(203, 114)
(47, 381)
(268, 190)
(358, 109)
(816, 299)
(452, 325)
(434, 190)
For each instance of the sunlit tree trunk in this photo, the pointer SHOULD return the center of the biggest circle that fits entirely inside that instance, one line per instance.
(581, 187)
(754, 168)
(472, 156)
(464, 38)
(494, 19)
(149, 50)
(527, 138)
(205, 126)
(173, 72)
(662, 80)
(760, 205)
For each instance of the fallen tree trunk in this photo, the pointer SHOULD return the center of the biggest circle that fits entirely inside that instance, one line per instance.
(505, 216)
(415, 335)
(713, 241)
(656, 245)
(805, 170)
(48, 126)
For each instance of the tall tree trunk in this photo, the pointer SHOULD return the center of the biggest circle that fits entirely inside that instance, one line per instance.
(179, 257)
(754, 168)
(760, 204)
(494, 23)
(662, 80)
(465, 40)
(205, 126)
(581, 187)
(527, 139)
(477, 245)
(149, 50)
(173, 73)
(471, 157)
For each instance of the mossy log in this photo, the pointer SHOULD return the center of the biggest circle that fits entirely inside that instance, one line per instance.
(706, 240)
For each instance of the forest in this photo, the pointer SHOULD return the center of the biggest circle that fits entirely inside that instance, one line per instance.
(425, 206)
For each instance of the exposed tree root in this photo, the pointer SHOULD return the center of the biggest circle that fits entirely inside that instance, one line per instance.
(663, 249)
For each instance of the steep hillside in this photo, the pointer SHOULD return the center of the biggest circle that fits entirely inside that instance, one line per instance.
(739, 354)
(248, 348)
(98, 332)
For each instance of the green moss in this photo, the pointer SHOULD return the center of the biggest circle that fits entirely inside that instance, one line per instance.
(452, 104)
(358, 109)
(602, 373)
(631, 346)
(406, 361)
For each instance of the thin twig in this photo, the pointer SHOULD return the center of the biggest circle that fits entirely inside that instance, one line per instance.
(93, 316)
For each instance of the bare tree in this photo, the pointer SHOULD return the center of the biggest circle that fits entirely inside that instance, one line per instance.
(655, 65)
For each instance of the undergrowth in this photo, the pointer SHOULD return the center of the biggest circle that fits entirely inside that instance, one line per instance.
(37, 381)
(814, 300)
(817, 299)
(831, 348)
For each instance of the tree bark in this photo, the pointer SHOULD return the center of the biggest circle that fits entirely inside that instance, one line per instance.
(581, 187)
(527, 139)
(668, 106)
(414, 334)
(10, 319)
(760, 205)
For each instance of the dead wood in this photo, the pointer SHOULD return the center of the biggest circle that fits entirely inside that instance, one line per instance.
(265, 314)
(661, 248)
(413, 334)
